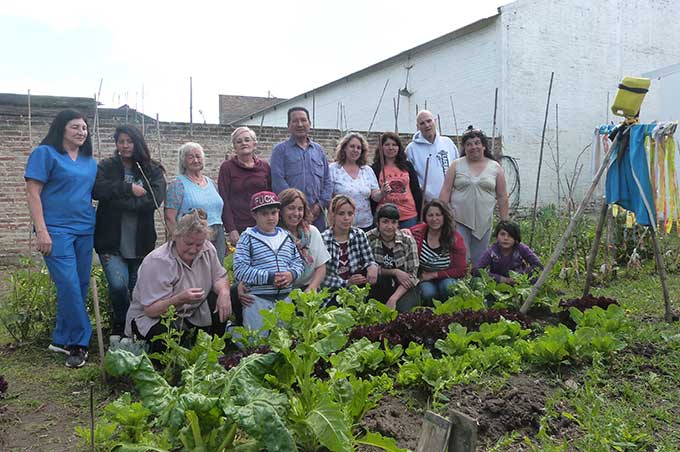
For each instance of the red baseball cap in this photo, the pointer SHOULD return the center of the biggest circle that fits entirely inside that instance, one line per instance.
(264, 199)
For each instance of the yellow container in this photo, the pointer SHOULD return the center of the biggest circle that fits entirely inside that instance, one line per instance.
(630, 95)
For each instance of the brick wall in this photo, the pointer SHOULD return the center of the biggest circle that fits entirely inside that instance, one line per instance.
(15, 148)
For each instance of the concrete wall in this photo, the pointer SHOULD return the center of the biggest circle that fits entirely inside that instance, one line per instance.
(590, 46)
(461, 66)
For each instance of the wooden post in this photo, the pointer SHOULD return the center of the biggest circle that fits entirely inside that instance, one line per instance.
(493, 126)
(98, 321)
(567, 233)
(427, 170)
(370, 127)
(455, 122)
(191, 106)
(595, 247)
(439, 123)
(540, 162)
(463, 437)
(434, 435)
(662, 275)
(557, 152)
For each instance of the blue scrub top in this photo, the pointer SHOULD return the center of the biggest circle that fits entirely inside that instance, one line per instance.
(67, 191)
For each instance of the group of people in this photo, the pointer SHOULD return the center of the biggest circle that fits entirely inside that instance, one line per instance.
(408, 225)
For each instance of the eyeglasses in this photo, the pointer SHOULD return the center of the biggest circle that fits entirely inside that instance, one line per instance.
(200, 213)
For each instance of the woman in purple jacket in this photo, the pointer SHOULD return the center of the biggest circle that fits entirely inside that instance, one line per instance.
(507, 254)
(240, 177)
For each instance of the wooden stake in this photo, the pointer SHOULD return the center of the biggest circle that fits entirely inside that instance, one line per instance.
(455, 122)
(662, 275)
(191, 106)
(427, 170)
(567, 233)
(540, 162)
(98, 322)
(434, 434)
(463, 437)
(370, 127)
(493, 126)
(595, 247)
(557, 151)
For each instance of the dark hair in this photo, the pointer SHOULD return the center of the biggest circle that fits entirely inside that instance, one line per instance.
(448, 230)
(509, 227)
(55, 136)
(399, 160)
(470, 133)
(291, 110)
(387, 210)
(141, 151)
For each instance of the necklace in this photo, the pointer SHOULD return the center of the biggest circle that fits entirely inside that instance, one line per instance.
(197, 180)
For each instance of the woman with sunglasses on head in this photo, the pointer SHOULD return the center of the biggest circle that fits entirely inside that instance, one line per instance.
(186, 273)
(192, 189)
(474, 185)
(60, 175)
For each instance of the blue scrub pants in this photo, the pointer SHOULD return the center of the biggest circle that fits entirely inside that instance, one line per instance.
(69, 265)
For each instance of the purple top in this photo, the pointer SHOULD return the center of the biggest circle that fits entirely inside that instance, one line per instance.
(236, 184)
(304, 169)
(521, 260)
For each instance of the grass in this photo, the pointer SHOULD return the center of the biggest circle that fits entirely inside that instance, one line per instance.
(628, 402)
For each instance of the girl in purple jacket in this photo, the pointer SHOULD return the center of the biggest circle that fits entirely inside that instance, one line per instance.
(507, 254)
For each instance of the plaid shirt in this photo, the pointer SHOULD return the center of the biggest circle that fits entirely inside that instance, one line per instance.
(358, 251)
(405, 252)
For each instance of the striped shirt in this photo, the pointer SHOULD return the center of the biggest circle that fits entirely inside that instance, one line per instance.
(432, 259)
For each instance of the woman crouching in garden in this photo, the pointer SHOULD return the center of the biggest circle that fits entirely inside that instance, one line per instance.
(185, 273)
(441, 250)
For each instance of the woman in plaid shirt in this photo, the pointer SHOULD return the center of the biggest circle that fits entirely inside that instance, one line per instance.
(351, 262)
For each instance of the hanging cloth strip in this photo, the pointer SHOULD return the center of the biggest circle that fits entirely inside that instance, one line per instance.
(628, 181)
(667, 196)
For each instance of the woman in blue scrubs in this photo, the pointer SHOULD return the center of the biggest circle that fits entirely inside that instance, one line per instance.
(60, 174)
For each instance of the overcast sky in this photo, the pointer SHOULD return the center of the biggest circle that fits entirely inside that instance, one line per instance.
(228, 47)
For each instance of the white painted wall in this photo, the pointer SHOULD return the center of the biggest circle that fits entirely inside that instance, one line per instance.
(464, 68)
(589, 45)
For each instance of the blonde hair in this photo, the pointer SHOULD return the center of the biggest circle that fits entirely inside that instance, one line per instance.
(337, 202)
(341, 154)
(196, 220)
(239, 130)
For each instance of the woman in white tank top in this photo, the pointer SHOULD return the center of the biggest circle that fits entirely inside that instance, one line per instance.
(474, 185)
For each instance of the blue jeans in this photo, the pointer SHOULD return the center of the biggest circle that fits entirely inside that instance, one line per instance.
(435, 289)
(69, 265)
(408, 223)
(121, 274)
(475, 247)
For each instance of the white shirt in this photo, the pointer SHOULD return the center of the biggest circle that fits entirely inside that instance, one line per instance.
(358, 189)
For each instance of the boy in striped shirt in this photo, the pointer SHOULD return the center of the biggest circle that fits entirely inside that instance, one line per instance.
(266, 259)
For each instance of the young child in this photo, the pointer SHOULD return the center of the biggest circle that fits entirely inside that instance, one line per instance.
(507, 254)
(397, 255)
(266, 259)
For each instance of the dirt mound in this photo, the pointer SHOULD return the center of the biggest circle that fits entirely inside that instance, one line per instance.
(394, 418)
(519, 405)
